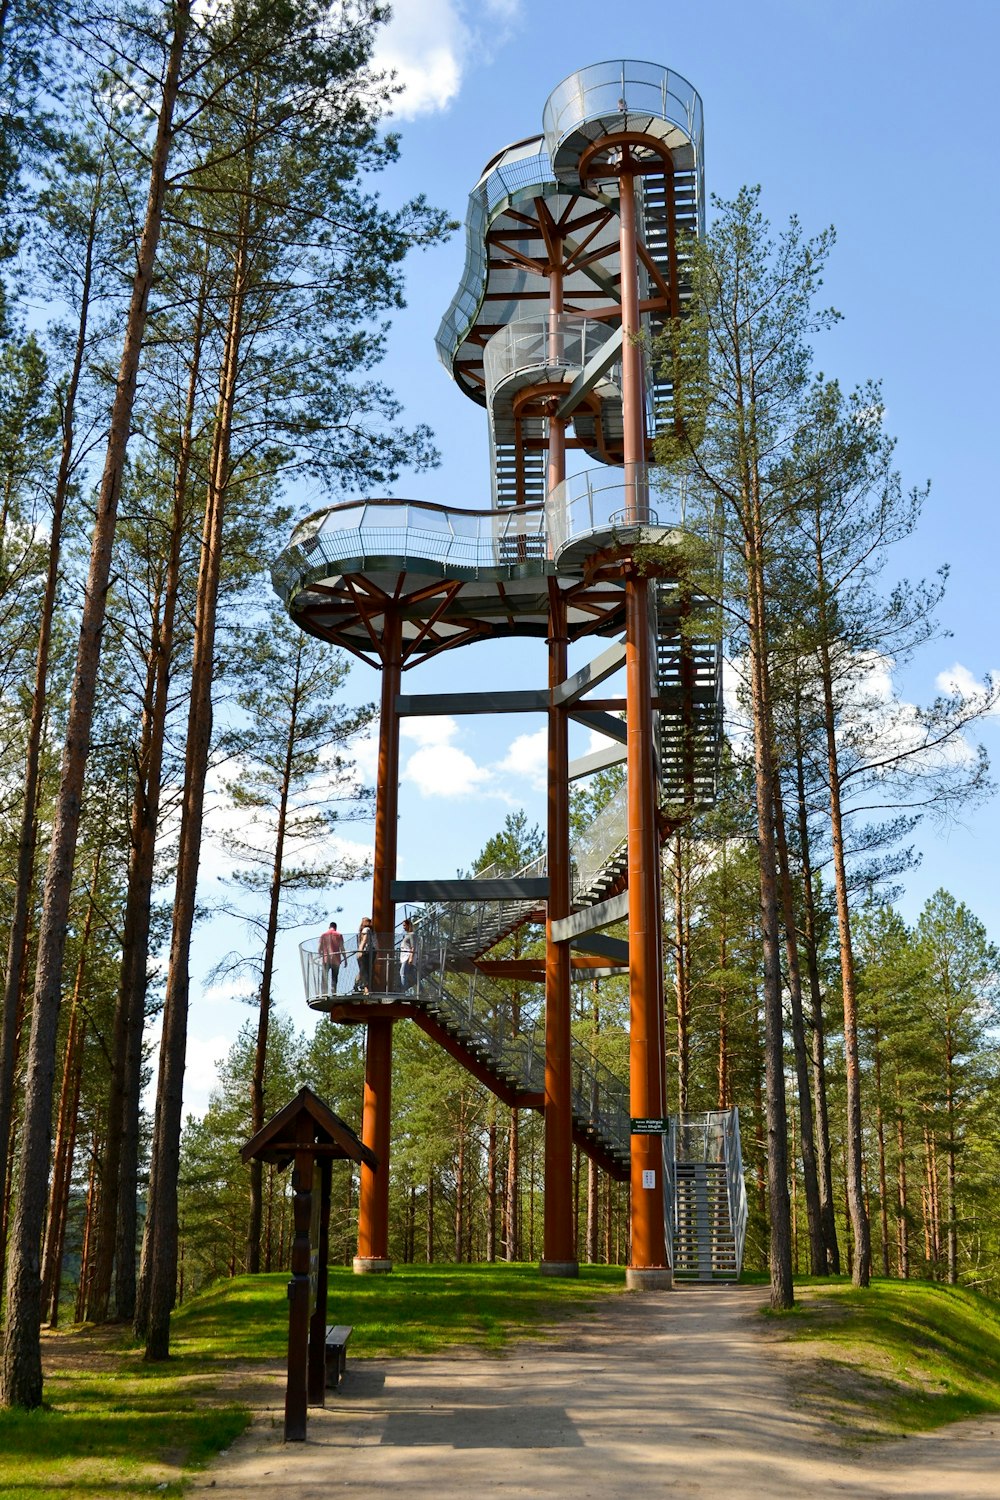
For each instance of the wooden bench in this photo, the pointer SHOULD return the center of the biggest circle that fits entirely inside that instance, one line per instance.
(337, 1336)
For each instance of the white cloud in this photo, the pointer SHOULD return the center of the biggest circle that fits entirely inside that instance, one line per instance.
(201, 1073)
(960, 682)
(431, 44)
(528, 757)
(445, 771)
(436, 730)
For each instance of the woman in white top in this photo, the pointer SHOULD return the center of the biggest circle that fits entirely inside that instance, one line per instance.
(407, 955)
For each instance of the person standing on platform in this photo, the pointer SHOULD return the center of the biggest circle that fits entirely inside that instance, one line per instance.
(366, 955)
(331, 952)
(407, 957)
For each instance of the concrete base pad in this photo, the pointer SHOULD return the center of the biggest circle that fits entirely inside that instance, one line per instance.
(559, 1267)
(364, 1266)
(648, 1278)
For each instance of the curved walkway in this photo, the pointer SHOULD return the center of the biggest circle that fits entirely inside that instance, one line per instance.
(655, 1396)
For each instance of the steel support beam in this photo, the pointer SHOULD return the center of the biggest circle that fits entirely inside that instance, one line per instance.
(593, 918)
(606, 356)
(534, 888)
(596, 671)
(429, 705)
(597, 760)
(604, 723)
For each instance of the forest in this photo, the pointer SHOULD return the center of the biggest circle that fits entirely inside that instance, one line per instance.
(198, 276)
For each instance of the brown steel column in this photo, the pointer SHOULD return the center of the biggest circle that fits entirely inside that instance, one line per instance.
(373, 1207)
(559, 1242)
(559, 1252)
(556, 468)
(647, 1261)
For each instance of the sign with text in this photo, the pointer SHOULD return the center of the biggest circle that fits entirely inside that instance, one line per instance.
(650, 1126)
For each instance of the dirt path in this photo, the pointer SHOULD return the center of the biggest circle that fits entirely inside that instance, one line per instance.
(678, 1396)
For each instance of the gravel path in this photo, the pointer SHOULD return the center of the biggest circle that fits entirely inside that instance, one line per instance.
(677, 1395)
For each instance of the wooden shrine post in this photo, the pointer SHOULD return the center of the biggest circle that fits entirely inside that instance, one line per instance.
(309, 1135)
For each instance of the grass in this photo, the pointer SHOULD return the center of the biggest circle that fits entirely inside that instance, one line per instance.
(417, 1310)
(134, 1430)
(900, 1357)
(113, 1426)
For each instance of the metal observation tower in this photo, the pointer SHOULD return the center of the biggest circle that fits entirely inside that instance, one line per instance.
(578, 246)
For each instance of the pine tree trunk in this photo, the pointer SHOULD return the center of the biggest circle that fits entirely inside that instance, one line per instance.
(883, 1182)
(855, 1197)
(69, 1103)
(158, 1269)
(430, 1220)
(257, 1102)
(22, 1363)
(24, 879)
(88, 1221)
(780, 1256)
(511, 1233)
(460, 1190)
(722, 1067)
(680, 972)
(116, 1231)
(902, 1223)
(62, 1177)
(951, 1200)
(491, 1183)
(821, 1114)
(807, 1138)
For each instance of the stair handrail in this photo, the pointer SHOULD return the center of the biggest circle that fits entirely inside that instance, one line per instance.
(736, 1184)
(670, 1188)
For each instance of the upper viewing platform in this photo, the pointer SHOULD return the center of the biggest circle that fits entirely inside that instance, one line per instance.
(639, 99)
(563, 228)
(552, 200)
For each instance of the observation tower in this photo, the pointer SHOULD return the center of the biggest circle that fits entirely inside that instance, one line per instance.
(578, 252)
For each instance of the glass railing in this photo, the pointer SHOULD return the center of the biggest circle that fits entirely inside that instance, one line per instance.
(476, 1009)
(669, 1140)
(412, 531)
(712, 1139)
(595, 849)
(604, 498)
(564, 342)
(622, 88)
(525, 165)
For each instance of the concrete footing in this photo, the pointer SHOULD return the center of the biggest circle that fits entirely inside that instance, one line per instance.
(648, 1278)
(366, 1266)
(559, 1267)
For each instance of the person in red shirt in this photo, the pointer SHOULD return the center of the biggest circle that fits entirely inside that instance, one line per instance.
(331, 951)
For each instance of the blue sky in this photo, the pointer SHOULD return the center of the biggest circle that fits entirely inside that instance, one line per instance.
(876, 116)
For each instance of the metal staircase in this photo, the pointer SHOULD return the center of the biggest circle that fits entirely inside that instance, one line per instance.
(518, 471)
(654, 221)
(689, 673)
(705, 1206)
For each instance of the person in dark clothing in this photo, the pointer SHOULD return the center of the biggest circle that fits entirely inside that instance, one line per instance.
(331, 952)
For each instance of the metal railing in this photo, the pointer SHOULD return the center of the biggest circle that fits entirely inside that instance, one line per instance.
(596, 848)
(620, 89)
(603, 499)
(472, 541)
(669, 1141)
(563, 342)
(713, 1138)
(736, 1184)
(519, 167)
(475, 1009)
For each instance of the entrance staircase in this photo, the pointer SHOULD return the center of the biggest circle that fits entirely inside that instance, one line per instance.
(705, 1205)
